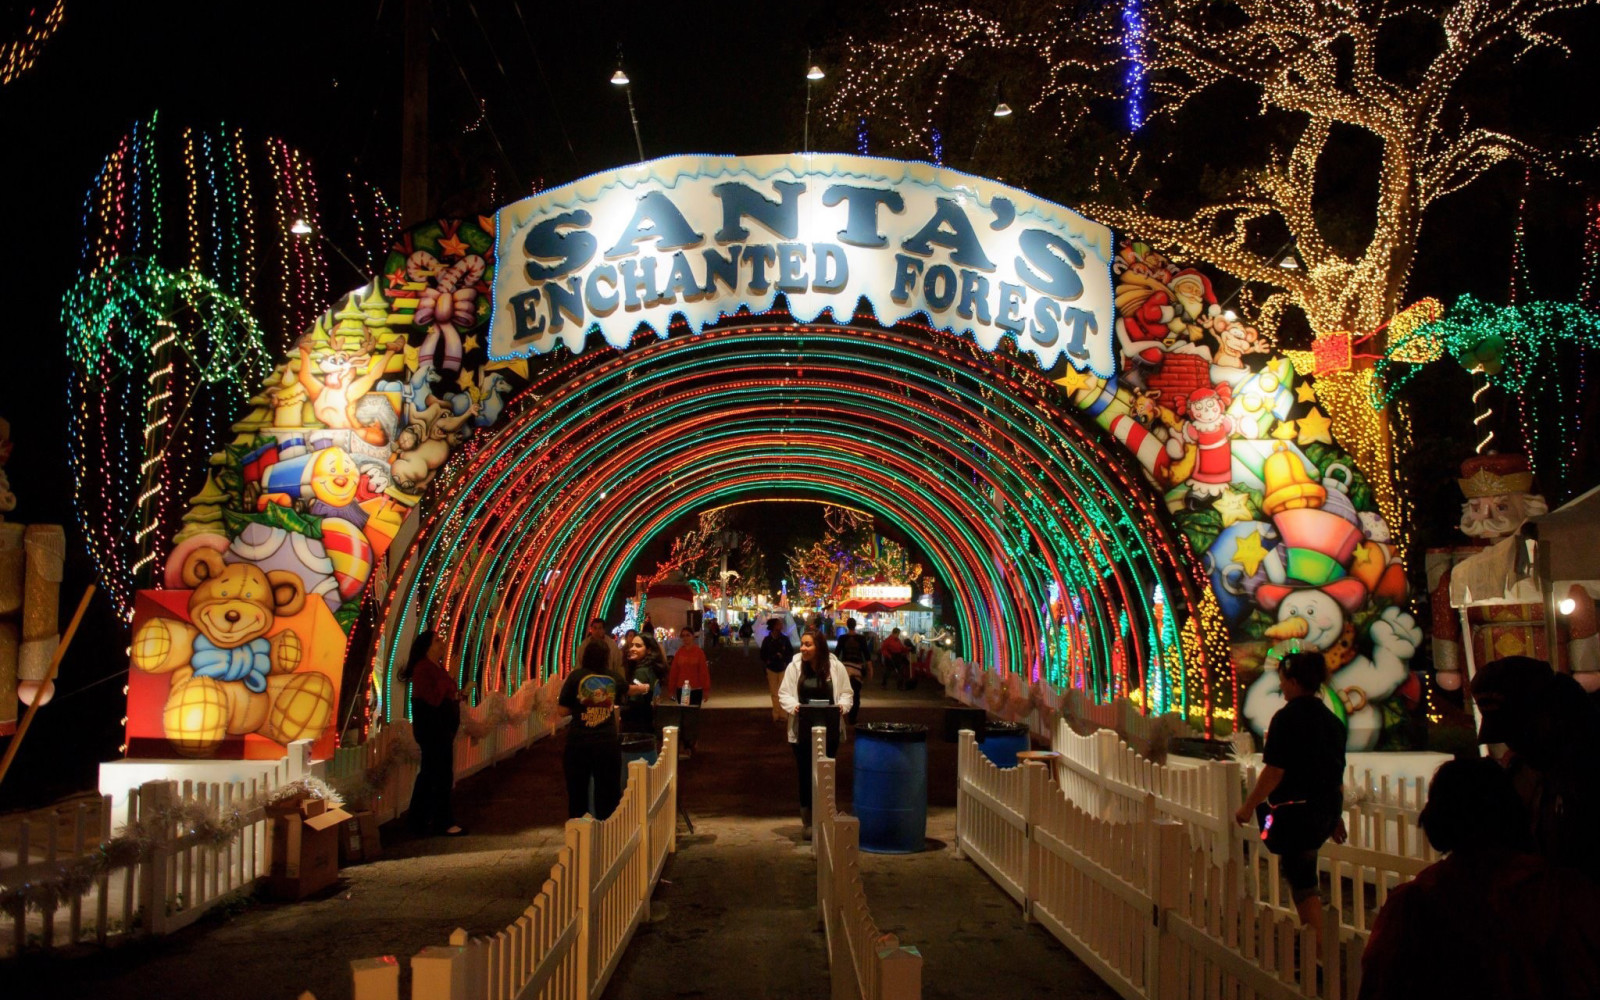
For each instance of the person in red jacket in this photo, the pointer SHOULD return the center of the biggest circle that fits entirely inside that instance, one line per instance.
(689, 665)
(896, 659)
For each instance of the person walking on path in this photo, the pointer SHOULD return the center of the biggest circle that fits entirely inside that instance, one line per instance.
(854, 650)
(645, 668)
(1300, 793)
(896, 659)
(747, 631)
(776, 652)
(435, 717)
(597, 631)
(689, 666)
(593, 752)
(814, 677)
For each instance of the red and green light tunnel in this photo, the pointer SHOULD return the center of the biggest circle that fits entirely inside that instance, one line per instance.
(1056, 553)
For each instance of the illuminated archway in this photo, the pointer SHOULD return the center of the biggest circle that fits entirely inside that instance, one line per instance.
(823, 328)
(972, 455)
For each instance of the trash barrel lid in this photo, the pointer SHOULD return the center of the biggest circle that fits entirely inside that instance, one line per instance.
(894, 732)
(1002, 729)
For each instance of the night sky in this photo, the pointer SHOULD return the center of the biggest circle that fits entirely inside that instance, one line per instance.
(717, 77)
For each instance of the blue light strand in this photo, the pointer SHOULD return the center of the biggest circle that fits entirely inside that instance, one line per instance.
(938, 147)
(861, 136)
(1133, 45)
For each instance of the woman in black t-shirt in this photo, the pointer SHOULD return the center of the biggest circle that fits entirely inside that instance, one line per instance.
(1300, 792)
(594, 748)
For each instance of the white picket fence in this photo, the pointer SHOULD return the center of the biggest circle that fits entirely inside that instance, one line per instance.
(1102, 775)
(181, 880)
(178, 880)
(567, 944)
(1152, 914)
(863, 964)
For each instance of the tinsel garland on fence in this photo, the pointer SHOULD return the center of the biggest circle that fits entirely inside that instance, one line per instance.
(498, 710)
(200, 825)
(215, 827)
(359, 789)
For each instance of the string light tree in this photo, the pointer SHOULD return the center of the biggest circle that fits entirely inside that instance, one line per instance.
(165, 327)
(1313, 66)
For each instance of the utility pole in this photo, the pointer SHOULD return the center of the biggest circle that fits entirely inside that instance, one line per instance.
(414, 114)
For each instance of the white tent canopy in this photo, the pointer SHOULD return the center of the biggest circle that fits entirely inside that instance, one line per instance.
(1561, 547)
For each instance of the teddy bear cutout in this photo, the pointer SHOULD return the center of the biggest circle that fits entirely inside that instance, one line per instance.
(228, 677)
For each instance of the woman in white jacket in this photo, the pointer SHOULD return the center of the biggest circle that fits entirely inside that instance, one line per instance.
(813, 676)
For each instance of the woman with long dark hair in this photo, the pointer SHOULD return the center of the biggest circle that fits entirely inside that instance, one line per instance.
(815, 677)
(435, 717)
(645, 666)
(594, 748)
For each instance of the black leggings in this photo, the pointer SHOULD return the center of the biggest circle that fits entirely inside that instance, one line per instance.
(430, 810)
(601, 762)
(802, 763)
(855, 702)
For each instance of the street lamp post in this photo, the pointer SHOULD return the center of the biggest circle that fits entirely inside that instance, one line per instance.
(620, 79)
(812, 76)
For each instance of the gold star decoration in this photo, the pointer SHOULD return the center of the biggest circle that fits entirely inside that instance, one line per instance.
(518, 365)
(1305, 392)
(1248, 552)
(1234, 507)
(1315, 426)
(470, 342)
(1365, 556)
(1285, 431)
(1074, 380)
(413, 358)
(466, 381)
(453, 247)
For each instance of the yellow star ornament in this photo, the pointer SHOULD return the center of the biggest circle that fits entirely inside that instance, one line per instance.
(1285, 430)
(1234, 507)
(1315, 426)
(1074, 380)
(1305, 392)
(1248, 552)
(453, 247)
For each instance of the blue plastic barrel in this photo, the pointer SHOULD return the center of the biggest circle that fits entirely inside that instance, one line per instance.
(891, 786)
(1002, 741)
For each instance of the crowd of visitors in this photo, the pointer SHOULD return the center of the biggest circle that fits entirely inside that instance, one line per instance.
(612, 692)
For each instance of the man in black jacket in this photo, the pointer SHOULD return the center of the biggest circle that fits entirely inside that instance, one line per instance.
(776, 652)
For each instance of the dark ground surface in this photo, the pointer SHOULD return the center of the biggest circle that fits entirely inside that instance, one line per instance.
(735, 915)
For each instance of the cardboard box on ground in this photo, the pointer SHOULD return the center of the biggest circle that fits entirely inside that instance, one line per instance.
(358, 838)
(305, 846)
